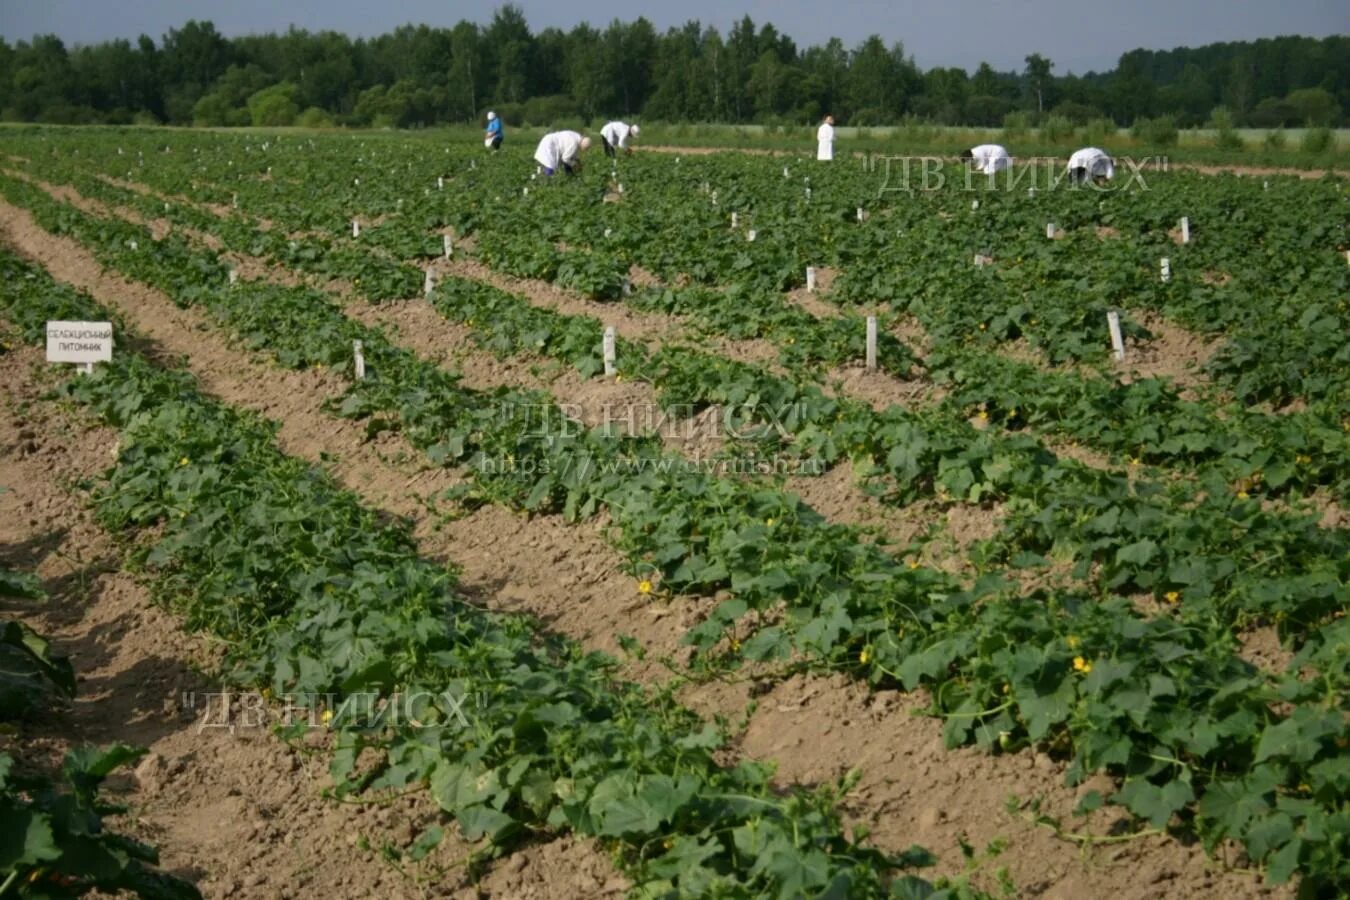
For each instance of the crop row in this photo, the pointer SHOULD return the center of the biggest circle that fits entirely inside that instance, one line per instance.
(1094, 678)
(316, 597)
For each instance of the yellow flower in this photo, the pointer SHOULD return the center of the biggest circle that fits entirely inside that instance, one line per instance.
(1303, 459)
(982, 326)
(768, 522)
(644, 586)
(267, 693)
(864, 656)
(1081, 665)
(1242, 495)
(913, 564)
(735, 645)
(1134, 460)
(1073, 641)
(618, 379)
(1007, 689)
(668, 843)
(792, 340)
(184, 461)
(1172, 596)
(327, 716)
(983, 416)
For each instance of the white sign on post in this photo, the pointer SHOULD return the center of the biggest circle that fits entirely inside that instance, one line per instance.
(751, 234)
(734, 220)
(234, 277)
(440, 183)
(83, 343)
(811, 279)
(449, 245)
(356, 228)
(607, 347)
(872, 343)
(1050, 230)
(429, 283)
(1165, 268)
(1185, 230)
(358, 360)
(860, 214)
(1117, 342)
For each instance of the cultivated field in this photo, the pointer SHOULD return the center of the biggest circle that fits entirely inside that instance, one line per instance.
(745, 616)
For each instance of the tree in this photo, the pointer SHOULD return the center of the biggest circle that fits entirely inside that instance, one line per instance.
(1038, 78)
(274, 105)
(1315, 106)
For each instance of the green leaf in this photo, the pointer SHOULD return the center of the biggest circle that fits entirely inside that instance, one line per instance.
(1149, 801)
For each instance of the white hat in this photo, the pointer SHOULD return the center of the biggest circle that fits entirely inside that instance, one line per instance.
(636, 130)
(585, 142)
(491, 116)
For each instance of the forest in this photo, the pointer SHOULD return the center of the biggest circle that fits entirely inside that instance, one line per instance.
(417, 76)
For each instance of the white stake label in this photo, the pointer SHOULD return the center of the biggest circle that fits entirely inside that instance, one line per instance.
(1185, 230)
(811, 279)
(607, 346)
(358, 360)
(872, 342)
(448, 243)
(1165, 270)
(1117, 342)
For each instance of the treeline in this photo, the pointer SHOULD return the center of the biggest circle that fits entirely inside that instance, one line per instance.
(417, 75)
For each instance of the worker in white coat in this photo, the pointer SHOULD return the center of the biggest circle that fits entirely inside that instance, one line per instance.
(1091, 162)
(825, 139)
(561, 150)
(988, 158)
(616, 135)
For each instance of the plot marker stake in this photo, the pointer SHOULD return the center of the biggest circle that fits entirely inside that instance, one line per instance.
(1117, 342)
(607, 346)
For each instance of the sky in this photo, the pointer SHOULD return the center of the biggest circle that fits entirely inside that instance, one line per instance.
(1078, 35)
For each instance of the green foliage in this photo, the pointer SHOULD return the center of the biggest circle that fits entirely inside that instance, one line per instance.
(274, 105)
(1157, 132)
(1204, 743)
(1317, 140)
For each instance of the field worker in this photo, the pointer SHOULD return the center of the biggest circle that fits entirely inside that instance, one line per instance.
(492, 138)
(1091, 162)
(988, 158)
(615, 136)
(825, 139)
(561, 150)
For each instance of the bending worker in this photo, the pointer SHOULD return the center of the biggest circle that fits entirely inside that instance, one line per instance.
(988, 158)
(615, 136)
(1091, 162)
(561, 150)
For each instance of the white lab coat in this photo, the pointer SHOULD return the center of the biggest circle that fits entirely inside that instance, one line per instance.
(558, 148)
(825, 141)
(1095, 160)
(617, 133)
(990, 158)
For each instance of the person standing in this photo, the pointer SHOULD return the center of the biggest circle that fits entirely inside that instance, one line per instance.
(492, 137)
(561, 150)
(988, 158)
(1093, 163)
(825, 139)
(616, 135)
